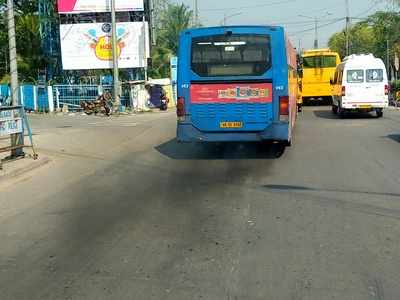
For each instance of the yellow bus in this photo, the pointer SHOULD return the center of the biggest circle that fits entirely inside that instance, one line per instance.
(318, 67)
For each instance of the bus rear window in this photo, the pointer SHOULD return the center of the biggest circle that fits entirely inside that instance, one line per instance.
(313, 62)
(375, 75)
(234, 55)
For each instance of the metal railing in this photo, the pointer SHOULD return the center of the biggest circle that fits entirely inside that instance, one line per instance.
(74, 95)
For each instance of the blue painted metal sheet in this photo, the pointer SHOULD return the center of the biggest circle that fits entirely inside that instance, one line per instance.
(27, 95)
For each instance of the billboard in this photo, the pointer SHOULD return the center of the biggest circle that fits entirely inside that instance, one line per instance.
(90, 6)
(89, 46)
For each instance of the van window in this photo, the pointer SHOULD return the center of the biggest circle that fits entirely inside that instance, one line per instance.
(340, 76)
(355, 76)
(375, 75)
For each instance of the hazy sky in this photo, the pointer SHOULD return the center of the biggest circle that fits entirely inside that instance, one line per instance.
(286, 13)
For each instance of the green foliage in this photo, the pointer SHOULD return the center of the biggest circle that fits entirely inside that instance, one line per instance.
(174, 19)
(27, 27)
(371, 36)
(362, 40)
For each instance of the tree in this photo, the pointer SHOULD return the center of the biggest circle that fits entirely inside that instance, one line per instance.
(30, 57)
(174, 19)
(362, 40)
(372, 35)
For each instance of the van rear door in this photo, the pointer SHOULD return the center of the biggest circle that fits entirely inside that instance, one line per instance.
(365, 86)
(375, 85)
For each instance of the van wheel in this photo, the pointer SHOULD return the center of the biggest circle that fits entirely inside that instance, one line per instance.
(379, 113)
(299, 108)
(334, 109)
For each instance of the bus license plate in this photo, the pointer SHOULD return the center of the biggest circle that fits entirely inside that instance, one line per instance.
(365, 106)
(231, 125)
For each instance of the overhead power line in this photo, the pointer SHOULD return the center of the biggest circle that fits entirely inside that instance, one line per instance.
(249, 6)
(320, 26)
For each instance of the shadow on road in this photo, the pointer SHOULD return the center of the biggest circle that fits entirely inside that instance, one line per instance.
(327, 114)
(294, 188)
(220, 151)
(394, 137)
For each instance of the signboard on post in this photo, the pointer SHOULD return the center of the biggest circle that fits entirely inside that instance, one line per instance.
(89, 46)
(90, 6)
(10, 123)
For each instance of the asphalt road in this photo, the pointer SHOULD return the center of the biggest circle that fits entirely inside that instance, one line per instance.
(124, 212)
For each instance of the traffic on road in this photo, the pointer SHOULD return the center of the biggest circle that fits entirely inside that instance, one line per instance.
(151, 150)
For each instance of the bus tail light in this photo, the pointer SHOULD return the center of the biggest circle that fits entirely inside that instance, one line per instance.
(343, 91)
(284, 107)
(386, 90)
(180, 108)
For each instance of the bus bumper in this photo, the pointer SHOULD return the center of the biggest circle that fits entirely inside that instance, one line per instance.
(278, 132)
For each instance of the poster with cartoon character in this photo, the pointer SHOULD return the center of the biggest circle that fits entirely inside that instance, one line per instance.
(89, 46)
(87, 6)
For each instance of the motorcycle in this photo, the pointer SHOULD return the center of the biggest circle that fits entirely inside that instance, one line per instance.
(164, 102)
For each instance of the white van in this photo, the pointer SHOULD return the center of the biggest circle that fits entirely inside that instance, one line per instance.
(360, 84)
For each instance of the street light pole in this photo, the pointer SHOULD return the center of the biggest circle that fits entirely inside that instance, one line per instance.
(316, 34)
(117, 101)
(196, 13)
(316, 21)
(225, 19)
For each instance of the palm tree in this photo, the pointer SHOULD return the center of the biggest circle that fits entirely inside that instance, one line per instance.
(174, 20)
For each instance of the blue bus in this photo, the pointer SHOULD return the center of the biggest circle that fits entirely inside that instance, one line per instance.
(236, 84)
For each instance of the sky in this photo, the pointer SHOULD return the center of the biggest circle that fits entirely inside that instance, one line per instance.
(297, 16)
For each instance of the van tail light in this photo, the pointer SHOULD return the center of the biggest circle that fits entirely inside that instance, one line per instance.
(283, 107)
(386, 89)
(343, 91)
(180, 108)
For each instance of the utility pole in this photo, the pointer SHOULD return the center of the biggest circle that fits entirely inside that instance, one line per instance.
(117, 100)
(388, 57)
(347, 28)
(16, 139)
(13, 53)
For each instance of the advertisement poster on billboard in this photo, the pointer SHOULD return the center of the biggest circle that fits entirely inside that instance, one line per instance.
(89, 46)
(89, 6)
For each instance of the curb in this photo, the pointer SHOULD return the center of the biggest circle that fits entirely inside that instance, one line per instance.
(21, 171)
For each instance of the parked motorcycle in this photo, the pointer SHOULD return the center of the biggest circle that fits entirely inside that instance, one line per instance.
(103, 104)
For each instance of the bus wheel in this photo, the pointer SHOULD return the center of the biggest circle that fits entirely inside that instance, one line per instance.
(279, 148)
(379, 113)
(334, 109)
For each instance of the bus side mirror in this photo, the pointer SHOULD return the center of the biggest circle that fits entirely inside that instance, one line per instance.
(300, 72)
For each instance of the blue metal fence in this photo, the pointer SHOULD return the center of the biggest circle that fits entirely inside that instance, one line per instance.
(37, 97)
(27, 97)
(42, 99)
(4, 94)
